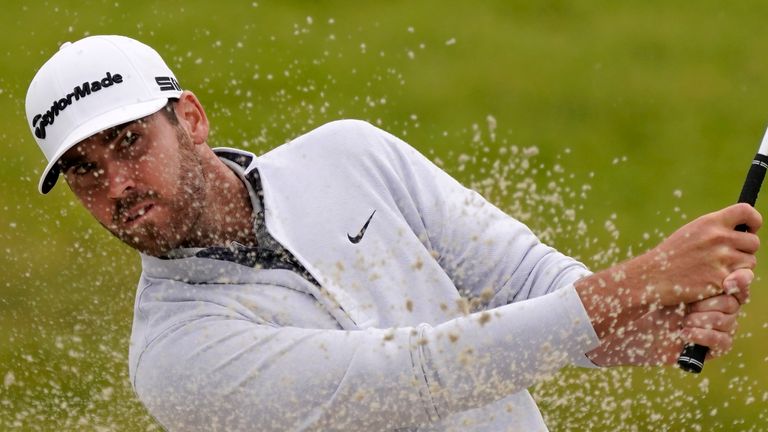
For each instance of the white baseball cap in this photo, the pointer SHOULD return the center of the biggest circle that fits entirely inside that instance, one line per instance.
(92, 85)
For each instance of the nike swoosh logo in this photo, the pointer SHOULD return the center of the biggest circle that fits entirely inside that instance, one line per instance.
(356, 239)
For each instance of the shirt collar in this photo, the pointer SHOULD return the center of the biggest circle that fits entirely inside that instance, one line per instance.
(240, 162)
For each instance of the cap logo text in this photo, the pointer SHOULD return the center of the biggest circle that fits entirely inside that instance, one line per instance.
(167, 83)
(47, 118)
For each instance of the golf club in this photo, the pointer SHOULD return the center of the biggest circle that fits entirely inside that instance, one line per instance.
(692, 357)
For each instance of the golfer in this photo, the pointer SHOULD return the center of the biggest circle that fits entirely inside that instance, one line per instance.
(342, 281)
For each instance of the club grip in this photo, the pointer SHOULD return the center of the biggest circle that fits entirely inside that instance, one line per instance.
(693, 355)
(754, 180)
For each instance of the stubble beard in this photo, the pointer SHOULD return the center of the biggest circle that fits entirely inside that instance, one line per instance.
(184, 208)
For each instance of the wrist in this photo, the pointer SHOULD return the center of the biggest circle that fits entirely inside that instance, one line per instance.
(618, 295)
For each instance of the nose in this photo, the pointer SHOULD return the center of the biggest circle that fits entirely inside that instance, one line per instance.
(119, 176)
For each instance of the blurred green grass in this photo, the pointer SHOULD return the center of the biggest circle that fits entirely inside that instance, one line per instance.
(637, 100)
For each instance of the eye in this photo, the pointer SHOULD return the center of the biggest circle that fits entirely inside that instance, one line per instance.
(82, 168)
(129, 139)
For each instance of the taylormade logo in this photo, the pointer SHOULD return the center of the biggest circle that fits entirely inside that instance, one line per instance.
(47, 118)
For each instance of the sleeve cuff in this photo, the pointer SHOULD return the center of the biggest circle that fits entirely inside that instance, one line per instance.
(577, 314)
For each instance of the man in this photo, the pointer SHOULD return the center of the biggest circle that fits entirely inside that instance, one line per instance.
(342, 281)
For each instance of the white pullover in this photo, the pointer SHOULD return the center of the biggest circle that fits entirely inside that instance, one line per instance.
(427, 307)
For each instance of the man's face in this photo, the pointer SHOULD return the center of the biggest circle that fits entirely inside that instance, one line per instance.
(142, 181)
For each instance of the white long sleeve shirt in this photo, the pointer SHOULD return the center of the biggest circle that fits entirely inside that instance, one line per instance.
(437, 318)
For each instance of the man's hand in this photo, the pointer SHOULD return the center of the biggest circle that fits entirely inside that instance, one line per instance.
(698, 261)
(694, 262)
(657, 337)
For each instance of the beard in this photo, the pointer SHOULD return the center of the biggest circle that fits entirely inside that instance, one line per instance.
(182, 208)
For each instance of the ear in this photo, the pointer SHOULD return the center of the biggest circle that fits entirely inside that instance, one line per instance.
(192, 117)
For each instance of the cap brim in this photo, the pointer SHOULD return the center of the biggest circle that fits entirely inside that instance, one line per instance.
(97, 124)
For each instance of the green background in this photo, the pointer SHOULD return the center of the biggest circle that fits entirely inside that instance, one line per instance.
(604, 125)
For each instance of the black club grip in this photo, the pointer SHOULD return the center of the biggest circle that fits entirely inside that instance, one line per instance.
(693, 355)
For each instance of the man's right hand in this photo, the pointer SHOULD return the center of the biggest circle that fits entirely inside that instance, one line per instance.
(657, 337)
